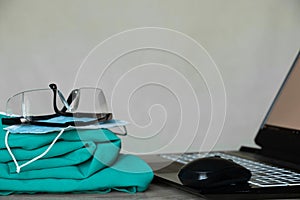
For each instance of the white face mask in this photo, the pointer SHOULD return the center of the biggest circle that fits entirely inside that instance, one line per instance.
(33, 129)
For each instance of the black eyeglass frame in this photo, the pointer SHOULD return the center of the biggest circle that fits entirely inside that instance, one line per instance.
(36, 120)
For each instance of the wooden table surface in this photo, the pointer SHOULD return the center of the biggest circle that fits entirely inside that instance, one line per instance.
(155, 191)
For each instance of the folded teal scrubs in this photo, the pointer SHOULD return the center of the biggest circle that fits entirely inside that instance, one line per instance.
(80, 161)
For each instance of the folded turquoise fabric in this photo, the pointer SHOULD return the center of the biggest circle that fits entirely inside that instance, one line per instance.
(102, 146)
(129, 174)
(60, 148)
(80, 161)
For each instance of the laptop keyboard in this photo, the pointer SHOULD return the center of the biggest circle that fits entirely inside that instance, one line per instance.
(263, 175)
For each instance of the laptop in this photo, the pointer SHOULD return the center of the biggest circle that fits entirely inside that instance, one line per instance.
(275, 166)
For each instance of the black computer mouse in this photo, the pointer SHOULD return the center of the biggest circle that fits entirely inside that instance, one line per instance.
(213, 172)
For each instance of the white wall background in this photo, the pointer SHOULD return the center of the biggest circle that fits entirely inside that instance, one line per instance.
(253, 43)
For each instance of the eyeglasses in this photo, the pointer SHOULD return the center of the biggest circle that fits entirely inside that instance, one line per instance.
(87, 105)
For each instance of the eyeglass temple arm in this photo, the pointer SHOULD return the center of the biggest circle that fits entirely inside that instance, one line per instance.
(53, 87)
(73, 95)
(67, 102)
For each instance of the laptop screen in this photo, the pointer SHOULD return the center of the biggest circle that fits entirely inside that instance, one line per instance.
(285, 111)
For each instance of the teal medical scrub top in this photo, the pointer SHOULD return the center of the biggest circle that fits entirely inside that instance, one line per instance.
(82, 161)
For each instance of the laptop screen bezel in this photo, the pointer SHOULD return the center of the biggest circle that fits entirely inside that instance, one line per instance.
(279, 140)
(264, 123)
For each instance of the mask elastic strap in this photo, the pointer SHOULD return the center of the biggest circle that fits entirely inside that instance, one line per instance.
(18, 168)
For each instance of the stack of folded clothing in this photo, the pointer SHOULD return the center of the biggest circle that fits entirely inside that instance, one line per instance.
(79, 161)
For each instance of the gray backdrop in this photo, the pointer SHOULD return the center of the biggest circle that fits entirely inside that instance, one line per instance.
(252, 43)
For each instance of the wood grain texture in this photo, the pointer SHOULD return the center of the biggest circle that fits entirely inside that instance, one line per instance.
(156, 191)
